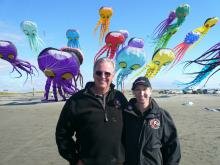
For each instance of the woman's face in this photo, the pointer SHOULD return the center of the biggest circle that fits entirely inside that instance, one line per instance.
(142, 94)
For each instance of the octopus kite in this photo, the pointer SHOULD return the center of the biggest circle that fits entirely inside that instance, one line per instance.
(30, 30)
(209, 60)
(129, 59)
(61, 67)
(162, 57)
(73, 38)
(192, 38)
(105, 16)
(113, 40)
(8, 52)
(165, 30)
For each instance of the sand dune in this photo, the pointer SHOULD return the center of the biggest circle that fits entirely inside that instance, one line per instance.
(27, 128)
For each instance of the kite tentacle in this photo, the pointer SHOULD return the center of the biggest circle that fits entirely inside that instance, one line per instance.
(61, 92)
(162, 27)
(100, 52)
(55, 90)
(47, 88)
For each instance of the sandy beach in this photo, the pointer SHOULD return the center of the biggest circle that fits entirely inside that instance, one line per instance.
(27, 128)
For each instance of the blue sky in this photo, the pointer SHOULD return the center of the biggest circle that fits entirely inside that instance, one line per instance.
(139, 17)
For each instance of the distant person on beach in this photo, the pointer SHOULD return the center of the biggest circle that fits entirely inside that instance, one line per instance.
(94, 116)
(150, 136)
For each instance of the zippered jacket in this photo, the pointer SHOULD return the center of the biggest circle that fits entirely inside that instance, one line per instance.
(150, 138)
(96, 123)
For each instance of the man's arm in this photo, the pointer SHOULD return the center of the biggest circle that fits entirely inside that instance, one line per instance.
(64, 132)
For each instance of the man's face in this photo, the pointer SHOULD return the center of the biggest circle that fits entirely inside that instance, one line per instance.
(142, 94)
(103, 75)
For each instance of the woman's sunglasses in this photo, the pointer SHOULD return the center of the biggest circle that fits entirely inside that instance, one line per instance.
(100, 73)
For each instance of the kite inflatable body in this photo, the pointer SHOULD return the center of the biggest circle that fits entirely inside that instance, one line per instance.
(162, 57)
(8, 52)
(210, 22)
(105, 14)
(129, 59)
(73, 38)
(30, 30)
(126, 34)
(62, 68)
(191, 38)
(113, 40)
(165, 30)
(210, 60)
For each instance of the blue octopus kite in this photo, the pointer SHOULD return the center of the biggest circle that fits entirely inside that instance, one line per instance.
(73, 38)
(129, 59)
(209, 60)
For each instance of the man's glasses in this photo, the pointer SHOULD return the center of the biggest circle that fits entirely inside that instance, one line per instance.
(100, 73)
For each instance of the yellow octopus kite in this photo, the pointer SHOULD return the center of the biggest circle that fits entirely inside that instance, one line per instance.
(105, 15)
(208, 24)
(162, 57)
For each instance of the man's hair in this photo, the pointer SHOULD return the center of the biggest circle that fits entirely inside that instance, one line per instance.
(104, 59)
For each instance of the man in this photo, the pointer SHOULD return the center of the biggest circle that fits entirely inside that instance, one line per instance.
(94, 116)
(150, 136)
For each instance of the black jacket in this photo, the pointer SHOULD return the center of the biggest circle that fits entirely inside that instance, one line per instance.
(150, 138)
(97, 126)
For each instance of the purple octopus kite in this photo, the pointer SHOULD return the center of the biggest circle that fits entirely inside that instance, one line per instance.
(61, 68)
(8, 52)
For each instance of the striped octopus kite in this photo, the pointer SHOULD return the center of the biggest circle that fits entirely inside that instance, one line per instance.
(72, 36)
(105, 16)
(8, 52)
(30, 30)
(113, 40)
(162, 57)
(210, 60)
(61, 67)
(165, 30)
(192, 38)
(130, 58)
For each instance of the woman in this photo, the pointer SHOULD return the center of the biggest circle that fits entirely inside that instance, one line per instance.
(150, 135)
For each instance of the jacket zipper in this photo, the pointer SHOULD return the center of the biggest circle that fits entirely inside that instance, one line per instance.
(142, 130)
(103, 104)
(140, 139)
(105, 111)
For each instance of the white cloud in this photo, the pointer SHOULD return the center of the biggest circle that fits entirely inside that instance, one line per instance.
(10, 33)
(4, 65)
(11, 37)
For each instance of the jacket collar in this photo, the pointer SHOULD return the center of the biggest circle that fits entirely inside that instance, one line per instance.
(152, 109)
(91, 83)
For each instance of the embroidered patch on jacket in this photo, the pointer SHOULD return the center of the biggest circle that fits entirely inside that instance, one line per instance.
(117, 104)
(129, 107)
(154, 123)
